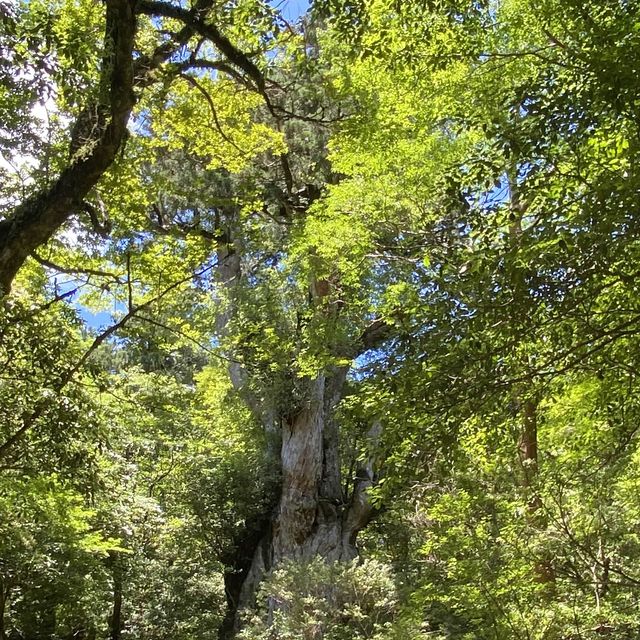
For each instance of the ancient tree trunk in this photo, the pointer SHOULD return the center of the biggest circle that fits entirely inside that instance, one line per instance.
(313, 515)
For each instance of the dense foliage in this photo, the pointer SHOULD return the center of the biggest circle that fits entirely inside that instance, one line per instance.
(319, 329)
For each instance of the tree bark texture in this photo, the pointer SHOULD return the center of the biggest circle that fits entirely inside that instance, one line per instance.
(314, 516)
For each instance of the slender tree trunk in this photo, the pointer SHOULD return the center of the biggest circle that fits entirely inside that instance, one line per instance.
(528, 450)
(528, 442)
(600, 572)
(117, 576)
(526, 400)
(4, 599)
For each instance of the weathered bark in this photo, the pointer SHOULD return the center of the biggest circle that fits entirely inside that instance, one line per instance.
(314, 516)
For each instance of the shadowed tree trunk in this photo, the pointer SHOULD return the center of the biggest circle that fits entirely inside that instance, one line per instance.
(4, 599)
(528, 453)
(526, 400)
(528, 442)
(117, 576)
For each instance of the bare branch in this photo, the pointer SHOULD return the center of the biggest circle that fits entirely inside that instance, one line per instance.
(75, 270)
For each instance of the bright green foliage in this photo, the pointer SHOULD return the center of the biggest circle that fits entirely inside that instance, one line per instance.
(211, 119)
(331, 600)
(52, 571)
(460, 174)
(491, 565)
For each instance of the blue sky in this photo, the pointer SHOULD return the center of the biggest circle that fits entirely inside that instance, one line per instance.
(291, 9)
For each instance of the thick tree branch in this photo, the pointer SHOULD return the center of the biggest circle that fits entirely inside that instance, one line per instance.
(196, 21)
(100, 222)
(213, 65)
(374, 335)
(179, 229)
(34, 221)
(145, 65)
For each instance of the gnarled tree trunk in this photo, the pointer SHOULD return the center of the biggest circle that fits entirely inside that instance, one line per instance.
(313, 517)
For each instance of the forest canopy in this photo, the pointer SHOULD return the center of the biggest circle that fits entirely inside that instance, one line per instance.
(320, 322)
